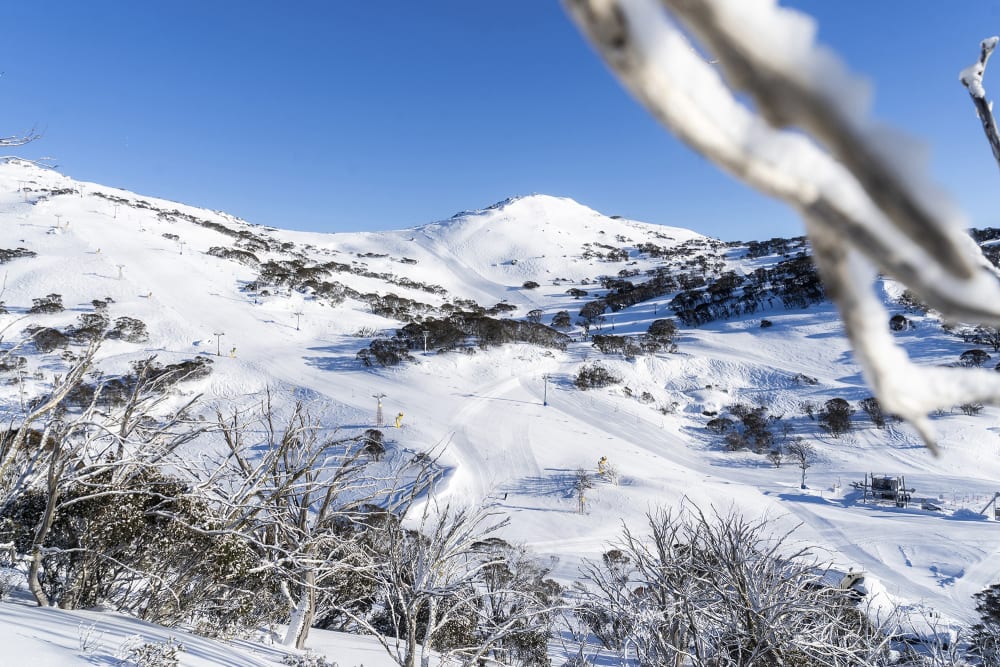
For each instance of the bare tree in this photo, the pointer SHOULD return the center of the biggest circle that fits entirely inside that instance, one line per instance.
(863, 212)
(802, 453)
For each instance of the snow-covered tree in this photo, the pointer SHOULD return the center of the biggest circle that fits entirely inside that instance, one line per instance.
(443, 586)
(65, 455)
(720, 590)
(286, 487)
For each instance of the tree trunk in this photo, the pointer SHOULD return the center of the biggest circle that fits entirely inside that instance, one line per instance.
(41, 533)
(303, 614)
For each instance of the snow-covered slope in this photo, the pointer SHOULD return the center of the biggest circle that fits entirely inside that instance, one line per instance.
(514, 425)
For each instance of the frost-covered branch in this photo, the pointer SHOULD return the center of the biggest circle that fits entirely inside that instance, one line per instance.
(972, 78)
(20, 139)
(854, 183)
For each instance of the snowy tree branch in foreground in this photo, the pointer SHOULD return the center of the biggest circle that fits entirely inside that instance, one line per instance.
(972, 78)
(866, 207)
(19, 139)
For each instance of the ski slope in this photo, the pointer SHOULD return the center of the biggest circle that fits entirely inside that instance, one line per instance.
(499, 441)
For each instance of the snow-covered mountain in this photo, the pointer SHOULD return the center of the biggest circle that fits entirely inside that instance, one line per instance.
(290, 311)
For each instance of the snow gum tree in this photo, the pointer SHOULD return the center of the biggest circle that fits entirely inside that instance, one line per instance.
(286, 486)
(720, 590)
(65, 455)
(443, 584)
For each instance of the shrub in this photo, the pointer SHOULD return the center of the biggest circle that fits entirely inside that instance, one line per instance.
(662, 331)
(873, 409)
(595, 376)
(47, 339)
(719, 425)
(374, 444)
(764, 324)
(835, 417)
(561, 320)
(91, 326)
(898, 323)
(7, 254)
(136, 651)
(307, 659)
(129, 330)
(985, 639)
(530, 284)
(384, 352)
(973, 358)
(51, 303)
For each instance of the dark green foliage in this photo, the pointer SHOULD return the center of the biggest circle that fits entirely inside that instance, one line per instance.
(7, 254)
(973, 358)
(374, 443)
(561, 320)
(460, 329)
(530, 284)
(12, 363)
(662, 331)
(985, 639)
(47, 339)
(616, 345)
(116, 391)
(133, 549)
(793, 282)
(873, 409)
(595, 376)
(384, 352)
(129, 330)
(753, 430)
(593, 310)
(244, 257)
(91, 327)
(534, 316)
(51, 303)
(720, 425)
(835, 417)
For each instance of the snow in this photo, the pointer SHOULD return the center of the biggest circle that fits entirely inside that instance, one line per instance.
(52, 637)
(503, 445)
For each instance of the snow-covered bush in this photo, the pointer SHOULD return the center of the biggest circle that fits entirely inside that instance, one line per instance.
(719, 589)
(307, 659)
(51, 303)
(595, 376)
(135, 651)
(130, 330)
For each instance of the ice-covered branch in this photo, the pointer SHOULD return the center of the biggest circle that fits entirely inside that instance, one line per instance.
(20, 139)
(972, 78)
(853, 181)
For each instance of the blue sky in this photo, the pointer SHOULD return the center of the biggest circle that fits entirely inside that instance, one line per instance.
(330, 115)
